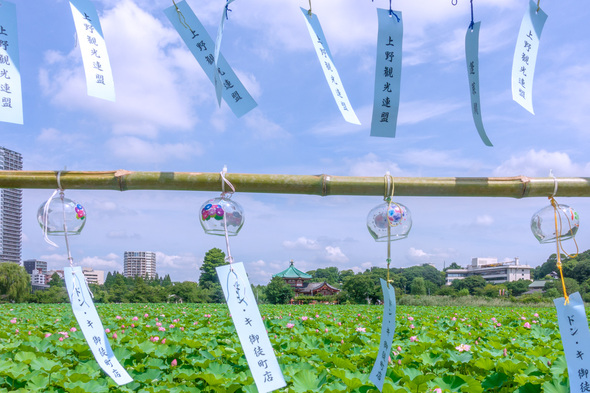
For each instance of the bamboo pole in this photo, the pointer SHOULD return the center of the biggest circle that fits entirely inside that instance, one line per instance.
(122, 180)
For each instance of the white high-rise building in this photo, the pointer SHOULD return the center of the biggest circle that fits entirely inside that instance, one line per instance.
(11, 204)
(140, 263)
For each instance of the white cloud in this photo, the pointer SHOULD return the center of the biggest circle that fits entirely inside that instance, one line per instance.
(186, 261)
(484, 220)
(335, 254)
(371, 165)
(110, 262)
(538, 163)
(123, 235)
(302, 243)
(417, 255)
(138, 150)
(155, 81)
(264, 128)
(414, 112)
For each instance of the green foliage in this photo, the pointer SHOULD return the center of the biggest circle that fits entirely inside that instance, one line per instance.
(519, 287)
(324, 350)
(213, 258)
(278, 291)
(15, 282)
(471, 283)
(362, 289)
(418, 287)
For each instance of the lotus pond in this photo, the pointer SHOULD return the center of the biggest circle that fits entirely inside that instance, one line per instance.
(321, 348)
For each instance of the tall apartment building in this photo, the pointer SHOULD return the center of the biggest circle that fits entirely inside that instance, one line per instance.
(140, 263)
(11, 206)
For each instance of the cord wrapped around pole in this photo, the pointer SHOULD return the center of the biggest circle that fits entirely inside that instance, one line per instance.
(323, 185)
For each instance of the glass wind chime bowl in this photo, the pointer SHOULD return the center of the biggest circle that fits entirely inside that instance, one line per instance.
(394, 215)
(543, 224)
(219, 212)
(52, 219)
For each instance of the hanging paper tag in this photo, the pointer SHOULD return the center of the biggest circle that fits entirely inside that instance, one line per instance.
(91, 326)
(387, 330)
(11, 104)
(525, 56)
(331, 73)
(251, 330)
(388, 74)
(472, 57)
(575, 336)
(202, 47)
(218, 86)
(99, 76)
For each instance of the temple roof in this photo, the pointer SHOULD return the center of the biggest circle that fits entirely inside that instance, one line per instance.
(292, 272)
(315, 286)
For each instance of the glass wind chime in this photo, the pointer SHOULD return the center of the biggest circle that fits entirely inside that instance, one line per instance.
(387, 222)
(553, 224)
(60, 216)
(222, 216)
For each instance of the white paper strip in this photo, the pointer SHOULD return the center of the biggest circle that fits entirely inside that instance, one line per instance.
(218, 83)
(388, 74)
(198, 41)
(11, 97)
(91, 326)
(331, 73)
(387, 330)
(575, 336)
(472, 58)
(251, 330)
(525, 56)
(97, 67)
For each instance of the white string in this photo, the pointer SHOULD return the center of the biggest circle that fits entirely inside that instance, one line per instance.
(225, 181)
(555, 183)
(388, 190)
(63, 205)
(46, 219)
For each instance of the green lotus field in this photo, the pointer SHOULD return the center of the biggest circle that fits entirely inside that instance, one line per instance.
(195, 348)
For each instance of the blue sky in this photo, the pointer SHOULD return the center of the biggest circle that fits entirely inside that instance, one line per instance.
(166, 119)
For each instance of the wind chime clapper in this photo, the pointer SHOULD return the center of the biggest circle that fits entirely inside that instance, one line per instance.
(553, 224)
(389, 221)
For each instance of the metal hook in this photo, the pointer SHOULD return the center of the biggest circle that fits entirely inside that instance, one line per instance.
(309, 12)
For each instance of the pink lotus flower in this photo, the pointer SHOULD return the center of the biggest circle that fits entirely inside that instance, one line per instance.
(17, 331)
(317, 316)
(182, 328)
(148, 325)
(326, 330)
(523, 318)
(304, 318)
(73, 329)
(174, 363)
(175, 320)
(134, 319)
(412, 326)
(414, 338)
(399, 349)
(47, 335)
(361, 329)
(463, 347)
(163, 341)
(453, 319)
(158, 323)
(527, 325)
(437, 390)
(290, 325)
(13, 320)
(123, 331)
(410, 318)
(505, 352)
(146, 315)
(498, 324)
(115, 336)
(171, 326)
(536, 315)
(61, 339)
(162, 329)
(118, 317)
(317, 330)
(339, 323)
(207, 315)
(107, 330)
(30, 333)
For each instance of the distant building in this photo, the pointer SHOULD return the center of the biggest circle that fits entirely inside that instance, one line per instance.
(93, 276)
(492, 271)
(140, 263)
(11, 216)
(38, 272)
(300, 283)
(50, 273)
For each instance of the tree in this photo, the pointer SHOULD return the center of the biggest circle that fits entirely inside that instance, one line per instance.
(278, 291)
(329, 274)
(360, 288)
(519, 287)
(471, 283)
(453, 265)
(15, 282)
(213, 258)
(418, 287)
